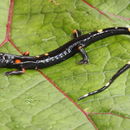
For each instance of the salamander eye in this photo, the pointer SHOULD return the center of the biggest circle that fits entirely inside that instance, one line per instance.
(1, 56)
(6, 57)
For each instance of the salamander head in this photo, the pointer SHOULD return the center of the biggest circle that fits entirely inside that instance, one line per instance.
(4, 59)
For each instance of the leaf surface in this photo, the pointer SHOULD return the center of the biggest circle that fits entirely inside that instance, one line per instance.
(31, 102)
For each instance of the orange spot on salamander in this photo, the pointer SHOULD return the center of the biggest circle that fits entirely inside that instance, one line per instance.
(17, 61)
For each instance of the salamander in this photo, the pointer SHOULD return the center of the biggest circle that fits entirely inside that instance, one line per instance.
(77, 45)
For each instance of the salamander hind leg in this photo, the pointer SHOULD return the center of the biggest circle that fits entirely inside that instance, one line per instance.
(16, 72)
(76, 33)
(82, 51)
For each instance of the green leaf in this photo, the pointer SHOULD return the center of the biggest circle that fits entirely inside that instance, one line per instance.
(3, 16)
(30, 101)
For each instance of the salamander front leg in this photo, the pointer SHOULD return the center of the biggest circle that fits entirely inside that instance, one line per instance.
(16, 72)
(26, 53)
(117, 74)
(82, 51)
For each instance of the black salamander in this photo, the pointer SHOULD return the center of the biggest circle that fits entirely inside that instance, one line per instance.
(77, 45)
